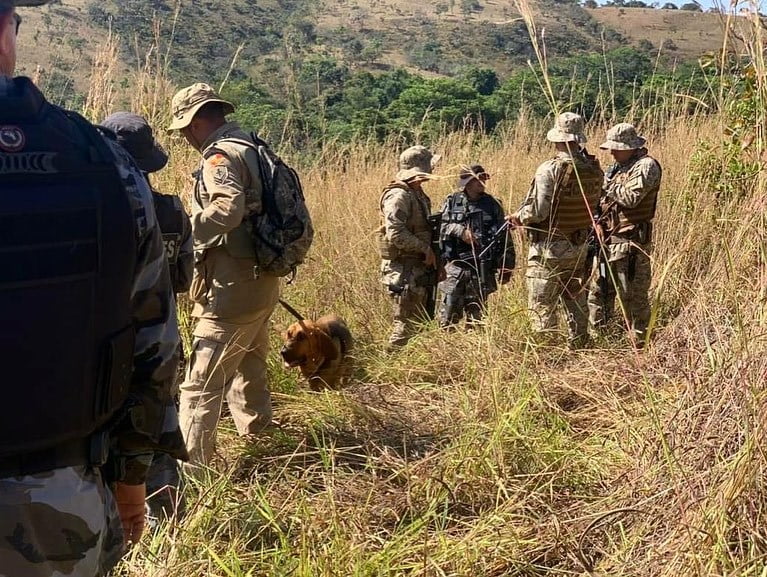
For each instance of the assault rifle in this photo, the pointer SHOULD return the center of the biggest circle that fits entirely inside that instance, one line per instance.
(485, 263)
(430, 280)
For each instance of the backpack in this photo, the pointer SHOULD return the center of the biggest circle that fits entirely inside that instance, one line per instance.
(68, 234)
(282, 233)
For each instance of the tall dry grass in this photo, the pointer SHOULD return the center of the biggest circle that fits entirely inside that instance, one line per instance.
(473, 453)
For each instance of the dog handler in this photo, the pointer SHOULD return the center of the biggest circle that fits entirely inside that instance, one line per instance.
(85, 408)
(232, 299)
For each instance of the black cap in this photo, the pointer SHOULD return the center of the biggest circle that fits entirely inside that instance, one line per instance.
(135, 135)
(470, 172)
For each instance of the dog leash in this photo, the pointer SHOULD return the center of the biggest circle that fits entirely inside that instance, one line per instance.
(291, 310)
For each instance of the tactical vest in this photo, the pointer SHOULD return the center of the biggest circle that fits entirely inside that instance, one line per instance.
(576, 195)
(419, 210)
(68, 239)
(645, 210)
(170, 218)
(483, 219)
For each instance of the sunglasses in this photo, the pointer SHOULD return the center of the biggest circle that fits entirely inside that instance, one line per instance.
(17, 19)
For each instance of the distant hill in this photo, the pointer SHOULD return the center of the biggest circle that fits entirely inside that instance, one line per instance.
(439, 37)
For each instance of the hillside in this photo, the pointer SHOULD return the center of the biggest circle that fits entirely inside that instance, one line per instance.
(435, 38)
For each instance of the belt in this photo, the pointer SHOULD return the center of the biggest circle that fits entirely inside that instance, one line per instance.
(71, 454)
(575, 237)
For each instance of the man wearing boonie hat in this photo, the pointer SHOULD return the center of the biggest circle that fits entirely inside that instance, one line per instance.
(233, 300)
(135, 135)
(93, 350)
(409, 265)
(557, 214)
(628, 205)
(472, 254)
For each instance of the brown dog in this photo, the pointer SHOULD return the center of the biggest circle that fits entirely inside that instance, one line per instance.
(321, 349)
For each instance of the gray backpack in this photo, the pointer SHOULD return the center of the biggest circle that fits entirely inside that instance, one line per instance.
(282, 233)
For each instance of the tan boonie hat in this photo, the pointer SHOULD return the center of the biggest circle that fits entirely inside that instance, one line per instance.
(416, 161)
(623, 136)
(567, 128)
(188, 101)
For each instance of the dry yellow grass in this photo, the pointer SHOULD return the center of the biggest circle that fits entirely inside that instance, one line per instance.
(475, 453)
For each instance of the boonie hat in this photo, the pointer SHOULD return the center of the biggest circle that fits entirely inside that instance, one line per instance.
(623, 136)
(135, 135)
(469, 173)
(568, 127)
(416, 161)
(188, 101)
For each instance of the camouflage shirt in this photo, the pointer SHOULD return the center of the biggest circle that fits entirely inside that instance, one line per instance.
(536, 208)
(629, 184)
(405, 215)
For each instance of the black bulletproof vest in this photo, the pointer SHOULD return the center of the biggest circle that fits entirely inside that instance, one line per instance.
(68, 244)
(170, 217)
(480, 216)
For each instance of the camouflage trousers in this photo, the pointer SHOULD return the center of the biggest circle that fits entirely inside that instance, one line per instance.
(408, 299)
(555, 277)
(628, 278)
(460, 294)
(62, 522)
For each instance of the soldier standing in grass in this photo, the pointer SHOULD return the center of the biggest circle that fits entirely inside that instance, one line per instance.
(233, 299)
(472, 249)
(135, 135)
(84, 412)
(409, 263)
(628, 207)
(557, 215)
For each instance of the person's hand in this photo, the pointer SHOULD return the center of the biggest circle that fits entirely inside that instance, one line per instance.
(430, 259)
(131, 500)
(504, 275)
(600, 232)
(441, 274)
(468, 236)
(513, 220)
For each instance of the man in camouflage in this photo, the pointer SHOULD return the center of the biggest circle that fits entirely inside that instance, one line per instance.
(66, 520)
(135, 135)
(233, 300)
(557, 215)
(473, 247)
(628, 207)
(408, 263)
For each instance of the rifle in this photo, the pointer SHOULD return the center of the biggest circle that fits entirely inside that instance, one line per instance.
(485, 264)
(430, 280)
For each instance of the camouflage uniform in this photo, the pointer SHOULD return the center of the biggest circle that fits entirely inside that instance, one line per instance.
(629, 201)
(404, 241)
(470, 269)
(64, 521)
(557, 214)
(135, 135)
(232, 301)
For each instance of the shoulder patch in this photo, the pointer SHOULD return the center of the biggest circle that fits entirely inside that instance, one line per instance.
(216, 160)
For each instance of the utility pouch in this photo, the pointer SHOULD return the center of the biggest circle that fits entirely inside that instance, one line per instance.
(644, 233)
(386, 250)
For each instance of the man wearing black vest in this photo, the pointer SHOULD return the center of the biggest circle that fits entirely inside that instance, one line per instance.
(87, 406)
(474, 248)
(135, 135)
